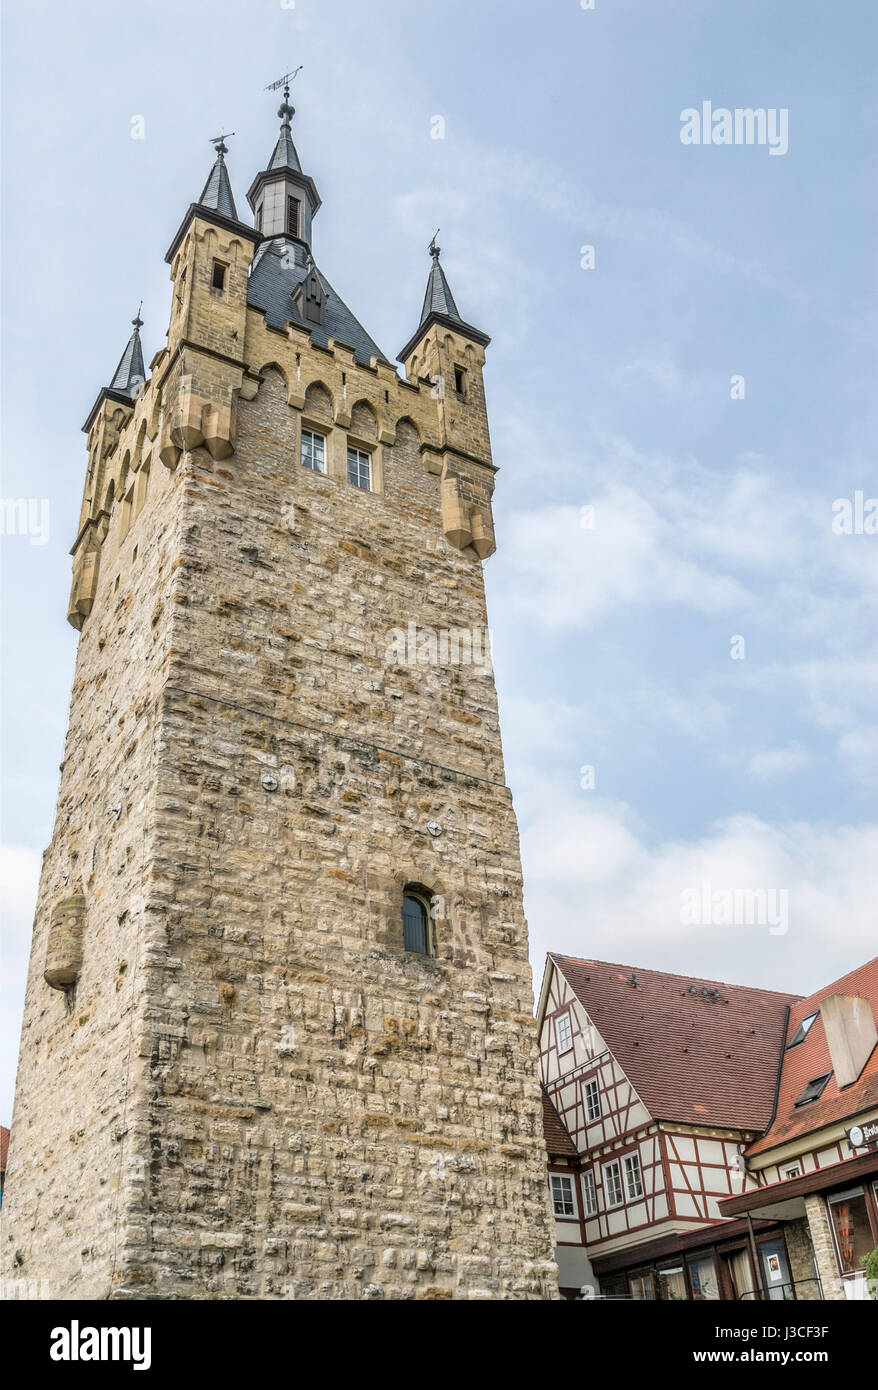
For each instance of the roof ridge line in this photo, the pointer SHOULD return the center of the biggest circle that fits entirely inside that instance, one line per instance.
(702, 979)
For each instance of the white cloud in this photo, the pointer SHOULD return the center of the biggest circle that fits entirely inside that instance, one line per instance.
(596, 887)
(858, 752)
(778, 762)
(568, 576)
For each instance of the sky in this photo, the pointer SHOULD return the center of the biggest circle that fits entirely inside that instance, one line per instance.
(681, 387)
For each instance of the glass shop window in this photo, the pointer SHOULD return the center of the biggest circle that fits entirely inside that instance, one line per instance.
(851, 1228)
(672, 1284)
(702, 1273)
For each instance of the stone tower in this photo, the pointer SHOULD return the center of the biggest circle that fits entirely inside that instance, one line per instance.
(278, 1037)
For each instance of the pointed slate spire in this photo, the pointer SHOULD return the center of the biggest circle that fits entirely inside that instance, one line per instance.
(285, 156)
(439, 307)
(217, 192)
(438, 299)
(130, 372)
(216, 203)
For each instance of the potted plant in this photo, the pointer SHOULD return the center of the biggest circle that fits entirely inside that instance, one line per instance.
(870, 1265)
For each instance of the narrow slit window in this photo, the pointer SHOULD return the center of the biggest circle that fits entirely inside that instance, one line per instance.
(293, 216)
(589, 1194)
(219, 276)
(459, 380)
(416, 925)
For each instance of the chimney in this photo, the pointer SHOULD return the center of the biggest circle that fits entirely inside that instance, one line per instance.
(850, 1034)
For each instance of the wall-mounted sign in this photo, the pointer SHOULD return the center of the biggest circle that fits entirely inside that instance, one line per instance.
(864, 1136)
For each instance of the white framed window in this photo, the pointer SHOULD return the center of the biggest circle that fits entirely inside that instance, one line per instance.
(313, 451)
(633, 1176)
(794, 1171)
(589, 1195)
(613, 1183)
(591, 1099)
(563, 1200)
(360, 468)
(563, 1032)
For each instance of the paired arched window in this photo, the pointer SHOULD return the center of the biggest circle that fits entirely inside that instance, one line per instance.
(417, 926)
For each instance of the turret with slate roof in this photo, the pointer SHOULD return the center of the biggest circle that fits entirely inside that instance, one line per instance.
(439, 307)
(130, 374)
(217, 192)
(128, 377)
(285, 282)
(283, 199)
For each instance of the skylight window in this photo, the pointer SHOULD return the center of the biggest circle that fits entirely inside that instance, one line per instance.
(813, 1089)
(802, 1031)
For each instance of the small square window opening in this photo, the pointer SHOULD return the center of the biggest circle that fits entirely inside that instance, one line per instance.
(562, 1195)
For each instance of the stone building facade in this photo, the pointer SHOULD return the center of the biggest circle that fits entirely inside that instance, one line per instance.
(234, 1079)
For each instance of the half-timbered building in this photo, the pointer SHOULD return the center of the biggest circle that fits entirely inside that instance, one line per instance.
(818, 1159)
(659, 1081)
(669, 1113)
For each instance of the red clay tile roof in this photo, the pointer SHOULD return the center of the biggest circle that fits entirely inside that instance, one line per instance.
(811, 1058)
(690, 1059)
(4, 1147)
(558, 1141)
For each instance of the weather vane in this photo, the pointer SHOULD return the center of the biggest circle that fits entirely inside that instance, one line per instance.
(285, 81)
(219, 142)
(433, 248)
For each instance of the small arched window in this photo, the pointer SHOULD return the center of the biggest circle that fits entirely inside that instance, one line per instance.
(417, 935)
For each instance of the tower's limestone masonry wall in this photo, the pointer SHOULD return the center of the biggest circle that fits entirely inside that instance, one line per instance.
(252, 1089)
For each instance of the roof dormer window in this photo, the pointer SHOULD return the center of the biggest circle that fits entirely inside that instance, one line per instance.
(802, 1031)
(813, 1090)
